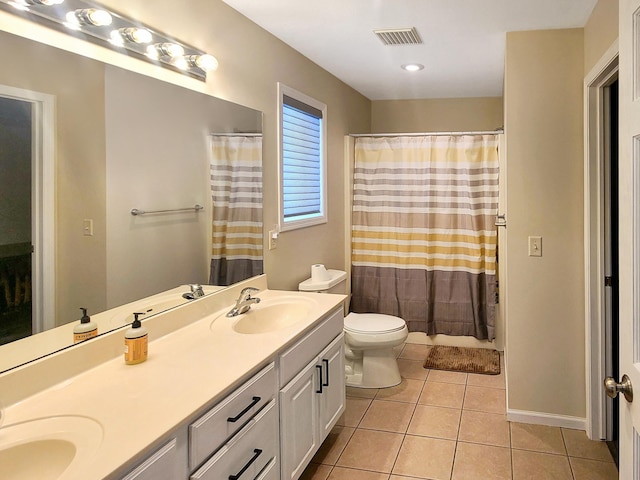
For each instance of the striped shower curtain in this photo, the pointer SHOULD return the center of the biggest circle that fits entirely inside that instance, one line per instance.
(236, 191)
(423, 238)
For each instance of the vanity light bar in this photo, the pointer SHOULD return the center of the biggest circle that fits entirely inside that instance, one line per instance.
(114, 31)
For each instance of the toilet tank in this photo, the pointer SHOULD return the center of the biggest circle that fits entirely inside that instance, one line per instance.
(335, 281)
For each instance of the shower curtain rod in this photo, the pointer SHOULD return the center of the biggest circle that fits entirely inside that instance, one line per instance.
(485, 132)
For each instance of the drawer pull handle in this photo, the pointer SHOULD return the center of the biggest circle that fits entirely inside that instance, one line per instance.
(257, 453)
(249, 407)
(326, 366)
(320, 384)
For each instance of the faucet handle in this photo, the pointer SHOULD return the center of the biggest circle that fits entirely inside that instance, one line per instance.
(249, 290)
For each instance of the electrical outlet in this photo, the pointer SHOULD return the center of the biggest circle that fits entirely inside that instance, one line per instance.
(535, 246)
(87, 227)
(273, 239)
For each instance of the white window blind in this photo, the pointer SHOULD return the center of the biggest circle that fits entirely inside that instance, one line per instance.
(303, 163)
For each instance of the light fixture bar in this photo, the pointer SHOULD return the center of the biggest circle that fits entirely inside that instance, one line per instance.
(110, 29)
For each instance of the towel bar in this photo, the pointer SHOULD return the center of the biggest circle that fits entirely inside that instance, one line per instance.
(196, 208)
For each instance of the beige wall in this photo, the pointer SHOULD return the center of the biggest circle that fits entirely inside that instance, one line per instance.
(545, 309)
(252, 61)
(436, 115)
(80, 165)
(600, 32)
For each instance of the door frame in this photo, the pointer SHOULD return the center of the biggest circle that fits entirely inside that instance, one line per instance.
(600, 76)
(42, 204)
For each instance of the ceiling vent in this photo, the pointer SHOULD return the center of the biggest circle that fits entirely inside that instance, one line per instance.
(399, 36)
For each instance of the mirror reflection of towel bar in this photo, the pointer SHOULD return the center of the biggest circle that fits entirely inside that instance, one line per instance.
(195, 208)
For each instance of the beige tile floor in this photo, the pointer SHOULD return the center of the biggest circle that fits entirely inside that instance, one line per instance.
(440, 425)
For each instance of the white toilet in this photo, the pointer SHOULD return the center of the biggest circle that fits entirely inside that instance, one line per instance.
(370, 361)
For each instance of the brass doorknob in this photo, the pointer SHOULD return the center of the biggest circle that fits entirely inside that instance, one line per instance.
(612, 387)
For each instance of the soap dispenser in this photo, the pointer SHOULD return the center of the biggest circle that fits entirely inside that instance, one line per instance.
(86, 329)
(135, 342)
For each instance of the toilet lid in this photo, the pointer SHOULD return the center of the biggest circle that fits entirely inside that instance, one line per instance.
(373, 323)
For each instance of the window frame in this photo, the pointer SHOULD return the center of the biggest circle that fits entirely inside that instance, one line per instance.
(310, 219)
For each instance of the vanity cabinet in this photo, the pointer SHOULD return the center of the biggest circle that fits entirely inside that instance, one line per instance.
(312, 401)
(268, 428)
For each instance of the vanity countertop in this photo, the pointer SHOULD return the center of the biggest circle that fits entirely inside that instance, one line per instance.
(136, 405)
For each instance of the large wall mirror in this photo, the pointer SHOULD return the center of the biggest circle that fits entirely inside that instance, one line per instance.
(118, 141)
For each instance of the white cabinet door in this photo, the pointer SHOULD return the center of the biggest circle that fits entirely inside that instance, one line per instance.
(332, 399)
(298, 422)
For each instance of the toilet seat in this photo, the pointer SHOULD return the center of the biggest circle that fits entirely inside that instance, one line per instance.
(373, 323)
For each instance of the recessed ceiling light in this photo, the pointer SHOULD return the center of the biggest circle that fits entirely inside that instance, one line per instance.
(412, 67)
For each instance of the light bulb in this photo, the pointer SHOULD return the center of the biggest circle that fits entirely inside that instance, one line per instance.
(205, 62)
(138, 35)
(115, 38)
(99, 18)
(89, 16)
(152, 52)
(72, 21)
(130, 34)
(180, 63)
(166, 49)
(171, 49)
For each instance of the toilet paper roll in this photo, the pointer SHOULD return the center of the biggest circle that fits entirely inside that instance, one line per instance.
(319, 273)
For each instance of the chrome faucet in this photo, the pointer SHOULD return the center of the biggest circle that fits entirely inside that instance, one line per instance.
(244, 301)
(196, 292)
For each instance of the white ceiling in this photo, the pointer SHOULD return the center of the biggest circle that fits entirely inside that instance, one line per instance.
(463, 40)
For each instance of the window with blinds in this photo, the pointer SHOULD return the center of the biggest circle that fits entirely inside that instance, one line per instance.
(302, 160)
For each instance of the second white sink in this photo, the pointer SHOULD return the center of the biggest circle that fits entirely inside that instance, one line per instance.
(273, 314)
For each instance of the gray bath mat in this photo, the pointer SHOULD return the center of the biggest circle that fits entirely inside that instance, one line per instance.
(463, 359)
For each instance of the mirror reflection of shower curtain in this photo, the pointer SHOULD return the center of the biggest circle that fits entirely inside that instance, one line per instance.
(423, 234)
(236, 192)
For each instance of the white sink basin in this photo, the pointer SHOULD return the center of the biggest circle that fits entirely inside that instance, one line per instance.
(47, 448)
(273, 314)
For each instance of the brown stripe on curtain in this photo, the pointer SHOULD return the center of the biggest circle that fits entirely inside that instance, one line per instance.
(451, 303)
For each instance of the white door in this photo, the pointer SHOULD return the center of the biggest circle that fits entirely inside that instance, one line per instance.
(629, 229)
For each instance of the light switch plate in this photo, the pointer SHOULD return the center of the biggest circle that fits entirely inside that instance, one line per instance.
(273, 239)
(87, 227)
(535, 246)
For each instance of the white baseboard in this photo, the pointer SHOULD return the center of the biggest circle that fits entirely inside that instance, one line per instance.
(551, 420)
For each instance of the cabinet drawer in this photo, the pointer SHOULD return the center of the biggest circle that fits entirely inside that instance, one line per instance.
(253, 451)
(295, 358)
(216, 426)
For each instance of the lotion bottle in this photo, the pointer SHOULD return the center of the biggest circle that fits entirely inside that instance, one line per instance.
(135, 342)
(86, 329)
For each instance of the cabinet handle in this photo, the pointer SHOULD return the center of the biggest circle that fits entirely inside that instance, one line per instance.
(257, 453)
(320, 384)
(326, 366)
(249, 407)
